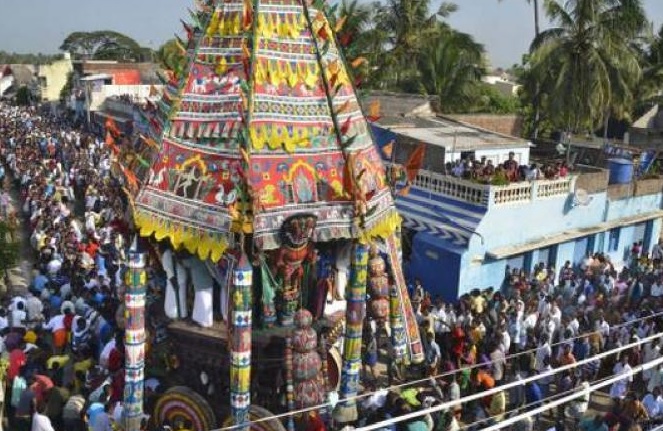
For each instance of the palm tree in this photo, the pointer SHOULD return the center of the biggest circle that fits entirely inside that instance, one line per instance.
(409, 25)
(587, 64)
(537, 21)
(451, 67)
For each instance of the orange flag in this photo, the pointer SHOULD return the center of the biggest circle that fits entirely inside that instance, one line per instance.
(112, 127)
(111, 143)
(388, 149)
(374, 111)
(153, 91)
(415, 162)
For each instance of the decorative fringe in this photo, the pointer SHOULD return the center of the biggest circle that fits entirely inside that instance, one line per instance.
(197, 241)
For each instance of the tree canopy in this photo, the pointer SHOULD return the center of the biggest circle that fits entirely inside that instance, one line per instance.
(104, 45)
(16, 58)
(587, 66)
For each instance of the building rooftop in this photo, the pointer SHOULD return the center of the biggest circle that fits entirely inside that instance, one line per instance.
(453, 135)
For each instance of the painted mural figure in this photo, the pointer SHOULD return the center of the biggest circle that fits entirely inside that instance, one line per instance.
(297, 249)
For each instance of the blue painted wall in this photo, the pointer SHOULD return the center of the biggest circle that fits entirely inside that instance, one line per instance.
(517, 224)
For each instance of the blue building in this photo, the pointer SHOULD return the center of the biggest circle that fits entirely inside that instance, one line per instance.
(463, 235)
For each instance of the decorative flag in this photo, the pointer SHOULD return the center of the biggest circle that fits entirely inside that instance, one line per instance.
(388, 150)
(153, 91)
(358, 62)
(374, 111)
(112, 127)
(111, 143)
(340, 23)
(415, 162)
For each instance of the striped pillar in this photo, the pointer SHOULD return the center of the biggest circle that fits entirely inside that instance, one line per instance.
(240, 341)
(415, 349)
(134, 338)
(289, 382)
(354, 316)
(398, 337)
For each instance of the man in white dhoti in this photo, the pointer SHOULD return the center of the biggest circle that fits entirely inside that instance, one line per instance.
(174, 308)
(203, 285)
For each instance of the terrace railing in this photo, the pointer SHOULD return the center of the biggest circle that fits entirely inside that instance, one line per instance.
(491, 195)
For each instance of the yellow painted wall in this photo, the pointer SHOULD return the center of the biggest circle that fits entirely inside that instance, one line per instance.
(55, 75)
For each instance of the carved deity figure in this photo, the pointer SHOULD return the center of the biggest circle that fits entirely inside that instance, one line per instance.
(296, 250)
(306, 363)
(378, 286)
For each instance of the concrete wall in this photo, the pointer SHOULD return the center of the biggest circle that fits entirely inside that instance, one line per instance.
(519, 223)
(508, 225)
(511, 125)
(55, 76)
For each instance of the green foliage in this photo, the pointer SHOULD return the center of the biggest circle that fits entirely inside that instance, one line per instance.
(23, 96)
(15, 58)
(586, 69)
(450, 67)
(492, 101)
(171, 57)
(104, 45)
(68, 87)
(9, 249)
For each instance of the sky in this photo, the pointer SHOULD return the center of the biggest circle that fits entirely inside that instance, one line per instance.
(504, 27)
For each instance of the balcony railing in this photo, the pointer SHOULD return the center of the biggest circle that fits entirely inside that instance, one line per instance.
(453, 187)
(490, 195)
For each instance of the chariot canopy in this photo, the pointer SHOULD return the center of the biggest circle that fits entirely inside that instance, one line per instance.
(263, 123)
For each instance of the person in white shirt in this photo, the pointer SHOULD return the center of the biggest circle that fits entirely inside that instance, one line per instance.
(41, 422)
(652, 402)
(4, 323)
(619, 389)
(656, 290)
(542, 352)
(18, 316)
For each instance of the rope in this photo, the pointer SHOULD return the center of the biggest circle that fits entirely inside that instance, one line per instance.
(471, 397)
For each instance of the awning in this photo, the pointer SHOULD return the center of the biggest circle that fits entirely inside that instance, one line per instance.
(512, 250)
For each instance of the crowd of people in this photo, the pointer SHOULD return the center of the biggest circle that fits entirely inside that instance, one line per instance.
(532, 325)
(62, 338)
(487, 172)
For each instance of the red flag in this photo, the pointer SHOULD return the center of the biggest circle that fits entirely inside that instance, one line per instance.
(112, 127)
(111, 143)
(415, 162)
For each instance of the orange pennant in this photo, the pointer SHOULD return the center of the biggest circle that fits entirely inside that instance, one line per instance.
(358, 62)
(388, 149)
(344, 107)
(374, 111)
(415, 162)
(340, 23)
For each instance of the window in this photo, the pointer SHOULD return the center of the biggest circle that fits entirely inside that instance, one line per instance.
(613, 244)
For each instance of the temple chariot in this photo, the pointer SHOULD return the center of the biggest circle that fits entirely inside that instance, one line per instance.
(266, 202)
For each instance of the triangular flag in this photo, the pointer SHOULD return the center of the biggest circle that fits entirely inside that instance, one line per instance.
(374, 111)
(415, 162)
(404, 191)
(153, 91)
(388, 150)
